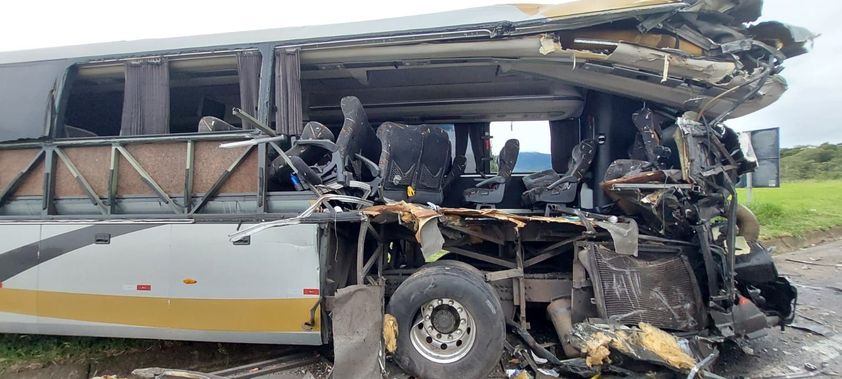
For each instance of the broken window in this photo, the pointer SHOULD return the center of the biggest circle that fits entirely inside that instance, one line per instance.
(212, 87)
(156, 96)
(534, 137)
(95, 103)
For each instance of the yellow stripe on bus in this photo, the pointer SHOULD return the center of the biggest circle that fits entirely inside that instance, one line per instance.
(234, 315)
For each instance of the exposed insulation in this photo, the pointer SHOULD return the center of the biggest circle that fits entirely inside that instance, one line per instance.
(390, 333)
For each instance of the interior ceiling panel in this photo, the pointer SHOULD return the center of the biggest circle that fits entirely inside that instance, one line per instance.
(448, 93)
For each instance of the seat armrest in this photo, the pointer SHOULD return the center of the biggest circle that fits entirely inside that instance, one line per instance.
(324, 144)
(493, 180)
(373, 168)
(565, 179)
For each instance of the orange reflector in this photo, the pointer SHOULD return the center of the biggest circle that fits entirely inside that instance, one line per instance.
(189, 281)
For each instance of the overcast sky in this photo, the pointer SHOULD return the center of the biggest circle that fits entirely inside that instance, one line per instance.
(806, 113)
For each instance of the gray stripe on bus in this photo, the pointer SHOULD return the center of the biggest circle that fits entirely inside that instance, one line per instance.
(18, 260)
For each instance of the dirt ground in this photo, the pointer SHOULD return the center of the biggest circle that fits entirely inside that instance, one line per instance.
(813, 342)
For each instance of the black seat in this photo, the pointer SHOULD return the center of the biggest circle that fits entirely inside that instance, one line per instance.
(347, 165)
(357, 144)
(311, 148)
(414, 162)
(210, 124)
(550, 187)
(490, 191)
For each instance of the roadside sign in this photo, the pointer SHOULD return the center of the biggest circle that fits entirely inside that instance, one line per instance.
(762, 146)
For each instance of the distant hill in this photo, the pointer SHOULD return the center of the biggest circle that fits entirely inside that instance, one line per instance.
(532, 161)
(821, 162)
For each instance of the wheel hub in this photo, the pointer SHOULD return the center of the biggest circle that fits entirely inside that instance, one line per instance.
(444, 331)
(445, 318)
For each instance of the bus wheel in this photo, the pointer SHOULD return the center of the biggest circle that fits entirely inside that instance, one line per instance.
(450, 323)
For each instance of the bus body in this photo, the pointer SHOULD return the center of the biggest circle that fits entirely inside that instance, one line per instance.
(151, 189)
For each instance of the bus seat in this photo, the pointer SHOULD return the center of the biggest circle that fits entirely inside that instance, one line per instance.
(308, 149)
(416, 156)
(550, 187)
(489, 192)
(357, 144)
(74, 132)
(210, 124)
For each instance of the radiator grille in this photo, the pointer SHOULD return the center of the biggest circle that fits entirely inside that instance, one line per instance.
(659, 289)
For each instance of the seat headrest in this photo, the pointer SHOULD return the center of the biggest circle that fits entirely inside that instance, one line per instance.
(316, 130)
(507, 159)
(357, 135)
(72, 132)
(210, 124)
(582, 156)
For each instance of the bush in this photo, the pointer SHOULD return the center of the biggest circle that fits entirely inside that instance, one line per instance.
(823, 162)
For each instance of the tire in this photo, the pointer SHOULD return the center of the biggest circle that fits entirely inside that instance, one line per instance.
(450, 292)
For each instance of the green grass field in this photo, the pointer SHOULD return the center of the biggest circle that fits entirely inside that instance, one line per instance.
(796, 208)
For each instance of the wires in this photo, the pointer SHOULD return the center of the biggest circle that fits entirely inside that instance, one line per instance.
(760, 80)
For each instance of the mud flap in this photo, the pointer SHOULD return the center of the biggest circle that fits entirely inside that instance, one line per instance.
(357, 332)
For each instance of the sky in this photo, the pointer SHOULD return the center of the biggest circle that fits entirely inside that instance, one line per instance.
(806, 113)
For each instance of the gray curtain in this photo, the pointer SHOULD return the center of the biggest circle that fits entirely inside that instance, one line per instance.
(248, 70)
(146, 102)
(288, 117)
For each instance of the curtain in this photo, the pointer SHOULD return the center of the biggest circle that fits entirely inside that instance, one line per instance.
(288, 117)
(474, 131)
(248, 70)
(564, 136)
(146, 101)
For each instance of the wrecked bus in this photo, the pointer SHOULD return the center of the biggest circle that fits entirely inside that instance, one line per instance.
(311, 185)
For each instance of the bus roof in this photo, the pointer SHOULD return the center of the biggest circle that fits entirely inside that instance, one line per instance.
(488, 19)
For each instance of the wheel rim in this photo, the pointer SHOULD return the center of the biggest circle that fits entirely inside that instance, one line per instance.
(443, 331)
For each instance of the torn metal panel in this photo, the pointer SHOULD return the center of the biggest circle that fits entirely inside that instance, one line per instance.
(671, 64)
(624, 235)
(415, 212)
(789, 39)
(357, 331)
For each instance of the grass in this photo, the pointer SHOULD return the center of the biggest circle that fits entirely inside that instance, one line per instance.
(25, 350)
(796, 208)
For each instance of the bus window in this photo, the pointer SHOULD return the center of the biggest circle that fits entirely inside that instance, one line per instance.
(534, 138)
(212, 86)
(160, 96)
(95, 103)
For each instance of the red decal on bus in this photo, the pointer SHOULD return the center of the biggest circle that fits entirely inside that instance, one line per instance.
(144, 287)
(311, 291)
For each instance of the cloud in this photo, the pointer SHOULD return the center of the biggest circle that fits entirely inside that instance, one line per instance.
(806, 112)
